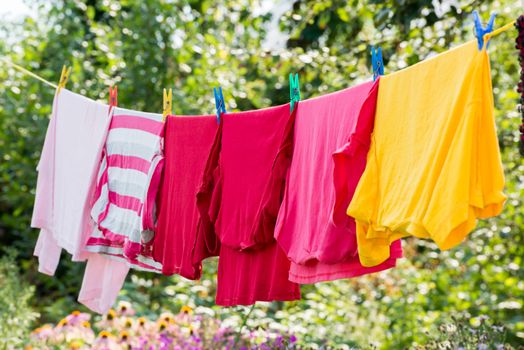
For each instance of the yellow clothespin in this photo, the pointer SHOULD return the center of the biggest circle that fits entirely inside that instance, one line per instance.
(168, 99)
(63, 78)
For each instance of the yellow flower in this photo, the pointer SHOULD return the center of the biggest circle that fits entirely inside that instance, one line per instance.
(28, 347)
(162, 325)
(86, 324)
(75, 313)
(104, 335)
(76, 344)
(40, 329)
(128, 323)
(111, 314)
(124, 336)
(186, 309)
(167, 317)
(63, 322)
(123, 306)
(141, 321)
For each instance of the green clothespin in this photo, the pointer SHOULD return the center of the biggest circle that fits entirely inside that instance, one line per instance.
(294, 90)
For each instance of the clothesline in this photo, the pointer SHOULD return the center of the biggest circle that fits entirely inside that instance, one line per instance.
(36, 76)
(499, 30)
(25, 71)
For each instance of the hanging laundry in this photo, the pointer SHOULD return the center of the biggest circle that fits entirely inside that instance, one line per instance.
(241, 181)
(127, 184)
(104, 277)
(188, 142)
(434, 164)
(331, 140)
(66, 177)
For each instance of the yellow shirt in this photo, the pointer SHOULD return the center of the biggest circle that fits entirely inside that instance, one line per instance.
(434, 164)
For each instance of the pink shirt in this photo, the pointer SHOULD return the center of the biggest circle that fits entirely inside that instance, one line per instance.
(128, 180)
(67, 177)
(188, 142)
(243, 182)
(332, 137)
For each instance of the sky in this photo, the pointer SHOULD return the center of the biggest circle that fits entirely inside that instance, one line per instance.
(13, 8)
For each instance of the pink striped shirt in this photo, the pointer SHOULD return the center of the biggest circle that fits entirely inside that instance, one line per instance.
(127, 183)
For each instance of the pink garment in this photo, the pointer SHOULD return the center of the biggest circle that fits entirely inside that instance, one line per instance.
(315, 271)
(246, 277)
(127, 184)
(331, 139)
(103, 280)
(66, 177)
(188, 142)
(243, 182)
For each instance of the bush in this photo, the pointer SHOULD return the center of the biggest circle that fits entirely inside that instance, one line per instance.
(16, 315)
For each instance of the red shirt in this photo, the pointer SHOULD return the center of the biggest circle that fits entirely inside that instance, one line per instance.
(188, 141)
(242, 190)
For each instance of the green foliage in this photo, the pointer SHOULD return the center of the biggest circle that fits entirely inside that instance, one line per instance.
(469, 334)
(193, 45)
(16, 315)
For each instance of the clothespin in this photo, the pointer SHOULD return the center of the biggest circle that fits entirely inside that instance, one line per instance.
(168, 102)
(377, 62)
(113, 96)
(64, 76)
(219, 102)
(294, 90)
(480, 30)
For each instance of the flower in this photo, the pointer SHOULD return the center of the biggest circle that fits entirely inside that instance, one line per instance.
(63, 322)
(141, 321)
(43, 332)
(167, 332)
(128, 323)
(104, 335)
(77, 317)
(124, 336)
(162, 325)
(111, 314)
(76, 344)
(105, 341)
(186, 309)
(167, 317)
(164, 339)
(125, 308)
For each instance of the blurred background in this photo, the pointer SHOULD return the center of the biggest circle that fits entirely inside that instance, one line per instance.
(473, 293)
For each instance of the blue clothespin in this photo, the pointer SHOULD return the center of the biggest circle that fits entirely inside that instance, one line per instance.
(294, 90)
(219, 102)
(377, 62)
(480, 30)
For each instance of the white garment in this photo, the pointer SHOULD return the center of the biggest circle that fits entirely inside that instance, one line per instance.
(66, 177)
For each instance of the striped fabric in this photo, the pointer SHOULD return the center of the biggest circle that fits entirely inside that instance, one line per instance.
(127, 183)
